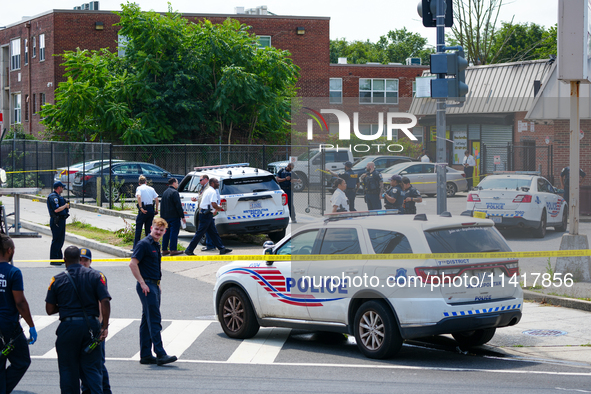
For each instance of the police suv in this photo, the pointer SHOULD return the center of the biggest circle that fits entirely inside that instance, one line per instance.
(252, 202)
(326, 276)
(520, 199)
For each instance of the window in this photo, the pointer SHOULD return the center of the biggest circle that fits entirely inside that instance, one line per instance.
(34, 54)
(15, 54)
(249, 185)
(340, 241)
(336, 91)
(148, 169)
(126, 169)
(121, 45)
(415, 169)
(384, 241)
(41, 47)
(26, 107)
(378, 91)
(41, 100)
(466, 240)
(263, 41)
(414, 88)
(34, 104)
(190, 184)
(26, 51)
(374, 129)
(16, 105)
(332, 157)
(303, 243)
(418, 133)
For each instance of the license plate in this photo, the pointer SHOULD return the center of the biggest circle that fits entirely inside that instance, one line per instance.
(497, 219)
(256, 205)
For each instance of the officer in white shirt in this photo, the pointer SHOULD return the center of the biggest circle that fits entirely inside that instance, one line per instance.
(339, 200)
(425, 157)
(469, 164)
(147, 203)
(208, 206)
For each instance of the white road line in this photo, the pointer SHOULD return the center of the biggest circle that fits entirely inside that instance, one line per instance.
(116, 325)
(40, 322)
(262, 349)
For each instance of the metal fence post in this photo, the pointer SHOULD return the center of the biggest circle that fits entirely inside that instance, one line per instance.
(186, 159)
(110, 176)
(13, 159)
(37, 163)
(24, 163)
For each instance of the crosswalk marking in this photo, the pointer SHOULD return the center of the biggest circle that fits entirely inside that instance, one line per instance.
(116, 325)
(41, 322)
(263, 348)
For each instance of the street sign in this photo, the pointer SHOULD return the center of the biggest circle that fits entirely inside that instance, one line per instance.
(497, 160)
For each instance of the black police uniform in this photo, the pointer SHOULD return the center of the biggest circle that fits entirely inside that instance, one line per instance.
(10, 329)
(397, 193)
(566, 174)
(371, 186)
(148, 254)
(57, 223)
(286, 187)
(351, 178)
(410, 207)
(73, 334)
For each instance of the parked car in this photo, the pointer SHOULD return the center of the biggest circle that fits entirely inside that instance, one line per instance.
(382, 162)
(423, 177)
(524, 200)
(126, 171)
(399, 303)
(67, 175)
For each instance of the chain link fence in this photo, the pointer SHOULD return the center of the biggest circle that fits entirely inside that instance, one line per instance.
(518, 158)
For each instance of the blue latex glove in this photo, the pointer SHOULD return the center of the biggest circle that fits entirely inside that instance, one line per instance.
(33, 334)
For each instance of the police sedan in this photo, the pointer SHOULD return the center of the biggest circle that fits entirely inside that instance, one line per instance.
(520, 200)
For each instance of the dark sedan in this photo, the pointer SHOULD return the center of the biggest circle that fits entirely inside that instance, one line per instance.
(128, 172)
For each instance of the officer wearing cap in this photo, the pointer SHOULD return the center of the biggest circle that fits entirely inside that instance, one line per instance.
(393, 198)
(352, 180)
(76, 294)
(13, 343)
(59, 210)
(411, 196)
(85, 261)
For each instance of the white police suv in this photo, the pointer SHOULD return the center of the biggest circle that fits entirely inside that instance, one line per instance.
(331, 280)
(251, 199)
(522, 200)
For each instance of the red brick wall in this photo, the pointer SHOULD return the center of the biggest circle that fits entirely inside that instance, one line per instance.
(562, 148)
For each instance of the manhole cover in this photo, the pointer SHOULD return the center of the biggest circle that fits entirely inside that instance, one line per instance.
(545, 333)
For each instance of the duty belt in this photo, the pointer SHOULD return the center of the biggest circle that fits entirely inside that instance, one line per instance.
(75, 318)
(156, 282)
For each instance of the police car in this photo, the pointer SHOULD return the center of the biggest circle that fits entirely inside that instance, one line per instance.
(252, 202)
(522, 200)
(382, 301)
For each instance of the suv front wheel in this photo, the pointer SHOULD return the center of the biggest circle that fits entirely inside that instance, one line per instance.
(236, 314)
(376, 331)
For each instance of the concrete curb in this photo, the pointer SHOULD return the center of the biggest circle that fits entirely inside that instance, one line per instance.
(78, 240)
(572, 303)
(86, 207)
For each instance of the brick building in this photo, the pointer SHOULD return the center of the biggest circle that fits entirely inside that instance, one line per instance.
(30, 72)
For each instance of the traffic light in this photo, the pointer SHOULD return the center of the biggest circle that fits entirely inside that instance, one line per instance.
(450, 64)
(427, 9)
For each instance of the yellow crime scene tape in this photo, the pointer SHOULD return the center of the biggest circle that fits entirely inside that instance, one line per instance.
(415, 256)
(20, 172)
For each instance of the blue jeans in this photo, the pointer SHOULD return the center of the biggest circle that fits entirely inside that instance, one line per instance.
(151, 324)
(19, 358)
(206, 226)
(172, 233)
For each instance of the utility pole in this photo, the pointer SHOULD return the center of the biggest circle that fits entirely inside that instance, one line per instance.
(441, 164)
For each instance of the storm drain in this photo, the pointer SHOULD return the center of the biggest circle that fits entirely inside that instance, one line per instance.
(545, 333)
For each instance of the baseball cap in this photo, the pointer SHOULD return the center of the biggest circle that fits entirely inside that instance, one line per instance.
(58, 184)
(85, 253)
(397, 178)
(348, 164)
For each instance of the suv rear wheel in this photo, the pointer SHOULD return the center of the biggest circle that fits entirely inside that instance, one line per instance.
(564, 224)
(300, 186)
(236, 314)
(376, 331)
(540, 232)
(474, 338)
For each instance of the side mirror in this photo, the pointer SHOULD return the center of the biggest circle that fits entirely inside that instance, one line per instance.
(268, 247)
(403, 173)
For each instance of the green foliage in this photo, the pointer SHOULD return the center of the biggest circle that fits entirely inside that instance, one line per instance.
(127, 233)
(394, 47)
(178, 82)
(517, 42)
(16, 178)
(17, 131)
(116, 187)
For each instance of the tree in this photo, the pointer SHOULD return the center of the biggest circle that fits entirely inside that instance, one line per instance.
(475, 23)
(517, 42)
(178, 82)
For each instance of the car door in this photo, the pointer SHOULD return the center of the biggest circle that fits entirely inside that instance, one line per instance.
(429, 177)
(157, 175)
(546, 191)
(417, 177)
(282, 291)
(329, 298)
(129, 174)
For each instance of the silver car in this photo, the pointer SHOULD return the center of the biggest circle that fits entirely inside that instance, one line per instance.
(67, 174)
(423, 177)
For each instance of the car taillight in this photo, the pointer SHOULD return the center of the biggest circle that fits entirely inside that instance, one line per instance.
(284, 199)
(224, 204)
(522, 198)
(473, 197)
(87, 177)
(463, 175)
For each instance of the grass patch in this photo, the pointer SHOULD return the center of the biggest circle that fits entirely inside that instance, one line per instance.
(98, 234)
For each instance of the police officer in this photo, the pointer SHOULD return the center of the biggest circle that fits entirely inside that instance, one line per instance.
(285, 177)
(172, 212)
(85, 261)
(13, 343)
(147, 203)
(59, 210)
(79, 327)
(372, 186)
(411, 196)
(146, 267)
(352, 180)
(565, 181)
(393, 198)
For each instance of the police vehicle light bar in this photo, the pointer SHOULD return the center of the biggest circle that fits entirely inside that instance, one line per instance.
(347, 215)
(221, 166)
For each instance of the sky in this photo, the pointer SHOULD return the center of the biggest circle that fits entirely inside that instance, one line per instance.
(352, 20)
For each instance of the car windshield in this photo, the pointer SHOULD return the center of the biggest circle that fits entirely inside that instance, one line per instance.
(504, 183)
(306, 155)
(249, 185)
(395, 169)
(466, 240)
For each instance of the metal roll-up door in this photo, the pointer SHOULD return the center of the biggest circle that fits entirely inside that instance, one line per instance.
(496, 138)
